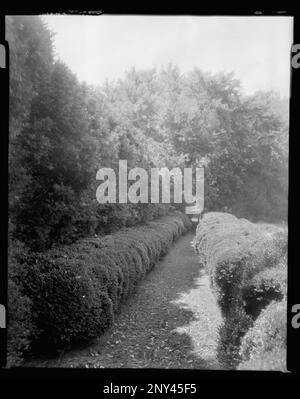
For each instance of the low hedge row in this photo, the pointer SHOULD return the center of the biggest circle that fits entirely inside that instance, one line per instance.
(264, 345)
(72, 292)
(20, 327)
(247, 267)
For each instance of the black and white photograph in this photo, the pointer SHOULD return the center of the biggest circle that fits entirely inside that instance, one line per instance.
(148, 180)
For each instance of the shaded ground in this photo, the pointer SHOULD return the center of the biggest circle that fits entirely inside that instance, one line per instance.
(170, 322)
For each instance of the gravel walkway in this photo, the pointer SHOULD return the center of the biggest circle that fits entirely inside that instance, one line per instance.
(170, 322)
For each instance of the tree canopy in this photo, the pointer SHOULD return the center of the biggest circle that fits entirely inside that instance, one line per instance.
(62, 131)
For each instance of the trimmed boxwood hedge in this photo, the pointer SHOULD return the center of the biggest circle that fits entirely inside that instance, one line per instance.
(264, 345)
(20, 327)
(73, 291)
(247, 267)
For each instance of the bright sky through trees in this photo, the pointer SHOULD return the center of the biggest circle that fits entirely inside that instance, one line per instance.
(256, 48)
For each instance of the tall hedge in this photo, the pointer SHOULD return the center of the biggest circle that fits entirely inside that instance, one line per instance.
(72, 292)
(247, 267)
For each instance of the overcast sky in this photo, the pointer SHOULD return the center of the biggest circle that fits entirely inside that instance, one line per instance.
(103, 47)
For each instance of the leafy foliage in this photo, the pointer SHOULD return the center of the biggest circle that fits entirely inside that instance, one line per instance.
(73, 291)
(20, 327)
(264, 345)
(62, 131)
(248, 270)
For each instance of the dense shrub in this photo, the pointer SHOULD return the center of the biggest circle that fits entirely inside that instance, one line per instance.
(264, 345)
(18, 334)
(20, 327)
(66, 302)
(231, 331)
(266, 286)
(274, 360)
(110, 217)
(74, 290)
(247, 266)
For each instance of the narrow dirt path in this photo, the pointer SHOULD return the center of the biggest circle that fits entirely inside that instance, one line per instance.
(170, 322)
